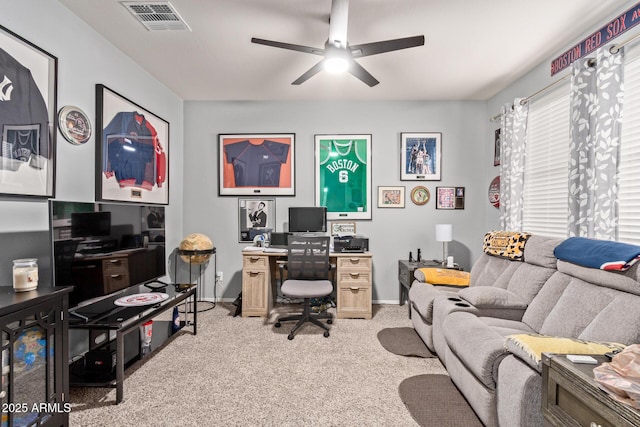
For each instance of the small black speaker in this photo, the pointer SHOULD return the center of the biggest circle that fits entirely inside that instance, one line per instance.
(279, 239)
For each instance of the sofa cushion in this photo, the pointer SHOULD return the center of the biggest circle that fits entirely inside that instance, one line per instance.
(540, 251)
(475, 344)
(442, 276)
(628, 281)
(489, 297)
(529, 347)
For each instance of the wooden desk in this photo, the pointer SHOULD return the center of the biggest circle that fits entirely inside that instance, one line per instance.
(353, 283)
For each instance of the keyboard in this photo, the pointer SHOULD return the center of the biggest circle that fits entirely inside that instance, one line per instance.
(275, 250)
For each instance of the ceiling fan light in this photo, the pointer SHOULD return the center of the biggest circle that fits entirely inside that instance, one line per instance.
(336, 65)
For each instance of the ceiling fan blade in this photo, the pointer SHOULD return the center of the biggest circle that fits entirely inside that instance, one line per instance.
(358, 71)
(289, 46)
(368, 49)
(309, 73)
(338, 23)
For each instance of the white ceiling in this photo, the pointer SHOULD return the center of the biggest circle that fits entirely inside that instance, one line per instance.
(473, 48)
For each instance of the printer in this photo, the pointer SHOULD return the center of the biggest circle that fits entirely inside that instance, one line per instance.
(355, 244)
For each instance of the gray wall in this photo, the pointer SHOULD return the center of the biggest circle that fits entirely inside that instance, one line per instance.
(534, 80)
(84, 59)
(392, 232)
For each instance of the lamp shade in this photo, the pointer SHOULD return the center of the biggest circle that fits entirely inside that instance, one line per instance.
(444, 232)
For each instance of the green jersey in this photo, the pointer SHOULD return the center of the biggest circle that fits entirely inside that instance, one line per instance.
(343, 174)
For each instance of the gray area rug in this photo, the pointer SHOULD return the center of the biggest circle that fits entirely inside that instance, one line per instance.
(403, 341)
(433, 400)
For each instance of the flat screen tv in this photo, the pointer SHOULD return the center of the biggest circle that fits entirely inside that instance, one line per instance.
(103, 248)
(312, 219)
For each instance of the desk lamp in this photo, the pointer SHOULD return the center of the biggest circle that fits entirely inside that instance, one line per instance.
(444, 234)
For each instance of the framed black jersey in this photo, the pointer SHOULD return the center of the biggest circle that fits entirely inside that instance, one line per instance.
(256, 164)
(27, 117)
(343, 175)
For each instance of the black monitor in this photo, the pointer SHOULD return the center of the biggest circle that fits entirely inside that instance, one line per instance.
(311, 219)
(90, 224)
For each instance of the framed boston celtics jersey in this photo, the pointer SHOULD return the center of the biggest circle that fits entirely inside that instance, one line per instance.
(343, 175)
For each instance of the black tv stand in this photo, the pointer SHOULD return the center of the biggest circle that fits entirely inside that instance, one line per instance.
(124, 321)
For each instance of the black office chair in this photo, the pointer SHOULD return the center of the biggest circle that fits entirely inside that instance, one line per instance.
(307, 277)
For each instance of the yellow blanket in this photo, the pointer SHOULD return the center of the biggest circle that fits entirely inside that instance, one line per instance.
(444, 276)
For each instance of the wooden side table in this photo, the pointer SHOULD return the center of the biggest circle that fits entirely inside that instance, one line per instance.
(406, 270)
(571, 397)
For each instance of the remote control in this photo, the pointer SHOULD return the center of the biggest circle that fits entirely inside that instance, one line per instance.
(576, 358)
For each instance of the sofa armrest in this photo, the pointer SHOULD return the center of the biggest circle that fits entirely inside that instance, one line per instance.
(422, 295)
(488, 297)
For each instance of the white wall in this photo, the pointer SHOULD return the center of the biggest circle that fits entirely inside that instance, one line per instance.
(392, 232)
(84, 59)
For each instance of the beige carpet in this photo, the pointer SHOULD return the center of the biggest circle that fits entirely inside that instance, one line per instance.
(244, 372)
(404, 341)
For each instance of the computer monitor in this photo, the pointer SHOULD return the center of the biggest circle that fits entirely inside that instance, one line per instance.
(312, 219)
(90, 224)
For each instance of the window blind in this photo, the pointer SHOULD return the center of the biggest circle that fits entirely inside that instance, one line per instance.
(546, 178)
(629, 161)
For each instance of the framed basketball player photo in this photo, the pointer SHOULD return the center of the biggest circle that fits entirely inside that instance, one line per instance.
(256, 164)
(343, 175)
(27, 117)
(256, 217)
(132, 151)
(420, 156)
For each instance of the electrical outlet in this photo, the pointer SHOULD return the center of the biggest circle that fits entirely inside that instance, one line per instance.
(219, 276)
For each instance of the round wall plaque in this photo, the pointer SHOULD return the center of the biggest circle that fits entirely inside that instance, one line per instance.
(494, 192)
(420, 195)
(74, 125)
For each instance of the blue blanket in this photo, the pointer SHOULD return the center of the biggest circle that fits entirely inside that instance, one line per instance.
(602, 254)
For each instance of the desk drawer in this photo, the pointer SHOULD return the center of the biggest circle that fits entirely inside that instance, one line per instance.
(255, 261)
(115, 281)
(115, 266)
(354, 278)
(354, 302)
(354, 263)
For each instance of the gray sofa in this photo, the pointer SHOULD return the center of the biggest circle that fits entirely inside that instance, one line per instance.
(471, 329)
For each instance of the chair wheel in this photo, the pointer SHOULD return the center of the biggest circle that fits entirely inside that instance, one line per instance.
(290, 336)
(329, 321)
(326, 334)
(277, 325)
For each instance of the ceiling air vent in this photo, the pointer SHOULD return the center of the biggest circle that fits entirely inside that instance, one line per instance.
(156, 16)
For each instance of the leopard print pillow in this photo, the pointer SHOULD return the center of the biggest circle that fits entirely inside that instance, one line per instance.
(505, 244)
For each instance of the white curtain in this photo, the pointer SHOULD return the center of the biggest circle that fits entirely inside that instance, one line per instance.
(513, 126)
(596, 115)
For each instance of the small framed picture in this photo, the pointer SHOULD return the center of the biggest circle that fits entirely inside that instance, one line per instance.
(421, 156)
(496, 147)
(343, 228)
(391, 197)
(450, 197)
(255, 217)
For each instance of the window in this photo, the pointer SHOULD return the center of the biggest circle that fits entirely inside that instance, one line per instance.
(629, 160)
(546, 177)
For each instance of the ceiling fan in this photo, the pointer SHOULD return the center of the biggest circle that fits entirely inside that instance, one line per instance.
(338, 55)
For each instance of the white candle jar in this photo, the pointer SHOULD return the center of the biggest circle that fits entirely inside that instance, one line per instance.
(25, 274)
